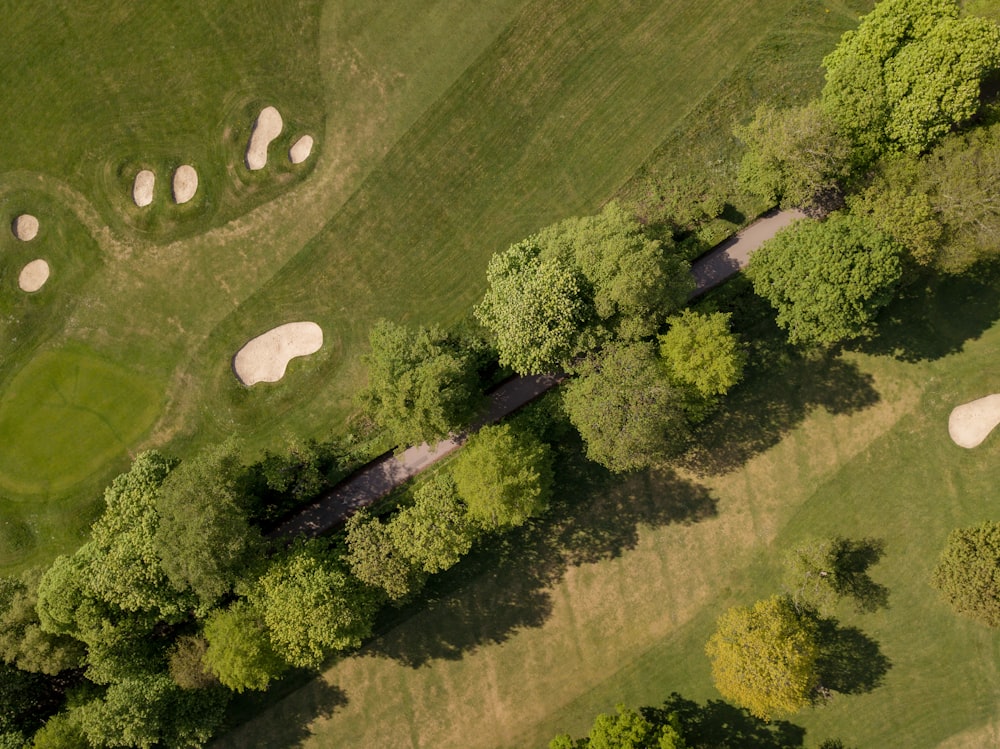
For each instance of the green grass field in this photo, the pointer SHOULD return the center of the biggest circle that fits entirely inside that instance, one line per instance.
(613, 597)
(445, 130)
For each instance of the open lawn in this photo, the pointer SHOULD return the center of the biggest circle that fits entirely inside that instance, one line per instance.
(445, 130)
(613, 597)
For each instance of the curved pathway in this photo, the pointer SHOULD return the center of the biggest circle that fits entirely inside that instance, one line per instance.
(389, 471)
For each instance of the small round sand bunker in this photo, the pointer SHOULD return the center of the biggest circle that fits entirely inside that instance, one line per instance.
(266, 128)
(33, 276)
(265, 358)
(25, 227)
(301, 149)
(185, 183)
(971, 423)
(142, 188)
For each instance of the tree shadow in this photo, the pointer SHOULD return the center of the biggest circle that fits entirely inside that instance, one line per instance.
(935, 318)
(719, 724)
(850, 661)
(314, 699)
(853, 559)
(505, 584)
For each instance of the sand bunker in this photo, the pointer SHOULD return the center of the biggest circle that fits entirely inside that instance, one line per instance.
(266, 128)
(33, 276)
(971, 423)
(25, 227)
(265, 357)
(301, 150)
(185, 183)
(142, 188)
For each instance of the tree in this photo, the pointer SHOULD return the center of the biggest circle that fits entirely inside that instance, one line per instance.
(535, 308)
(699, 351)
(908, 217)
(629, 414)
(187, 664)
(311, 606)
(765, 657)
(152, 711)
(820, 572)
(633, 280)
(435, 531)
(203, 539)
(627, 729)
(422, 385)
(61, 731)
(504, 476)
(910, 72)
(23, 642)
(968, 572)
(794, 157)
(377, 561)
(239, 650)
(828, 280)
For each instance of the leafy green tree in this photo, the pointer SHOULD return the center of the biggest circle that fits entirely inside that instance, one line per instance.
(682, 202)
(422, 385)
(203, 538)
(23, 642)
(435, 531)
(377, 561)
(821, 572)
(968, 572)
(626, 729)
(187, 666)
(61, 731)
(239, 650)
(794, 157)
(535, 308)
(152, 711)
(634, 282)
(910, 72)
(765, 658)
(828, 280)
(627, 411)
(701, 352)
(504, 476)
(908, 217)
(311, 606)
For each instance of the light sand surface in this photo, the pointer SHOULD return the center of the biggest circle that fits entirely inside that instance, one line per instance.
(142, 188)
(266, 128)
(971, 423)
(33, 276)
(185, 183)
(25, 227)
(300, 151)
(265, 358)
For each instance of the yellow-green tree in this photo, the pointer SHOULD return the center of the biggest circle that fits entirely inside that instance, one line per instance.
(765, 657)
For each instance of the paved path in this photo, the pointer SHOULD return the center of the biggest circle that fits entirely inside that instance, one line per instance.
(385, 473)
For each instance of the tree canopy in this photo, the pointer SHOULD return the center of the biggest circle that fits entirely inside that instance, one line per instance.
(828, 280)
(910, 72)
(968, 572)
(422, 385)
(699, 351)
(239, 649)
(504, 476)
(765, 657)
(376, 560)
(821, 572)
(435, 531)
(629, 414)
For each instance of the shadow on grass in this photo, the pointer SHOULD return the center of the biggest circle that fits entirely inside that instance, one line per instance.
(719, 724)
(783, 386)
(850, 661)
(505, 585)
(314, 698)
(933, 319)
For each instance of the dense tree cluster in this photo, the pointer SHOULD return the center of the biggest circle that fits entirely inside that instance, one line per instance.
(968, 572)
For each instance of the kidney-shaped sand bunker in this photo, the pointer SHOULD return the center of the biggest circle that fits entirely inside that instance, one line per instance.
(265, 358)
(971, 423)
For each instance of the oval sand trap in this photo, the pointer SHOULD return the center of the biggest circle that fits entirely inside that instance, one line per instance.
(300, 151)
(142, 188)
(971, 423)
(266, 128)
(33, 276)
(265, 357)
(25, 227)
(185, 183)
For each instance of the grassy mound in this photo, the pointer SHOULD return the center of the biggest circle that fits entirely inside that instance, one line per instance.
(67, 414)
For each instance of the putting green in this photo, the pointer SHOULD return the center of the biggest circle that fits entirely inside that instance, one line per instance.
(66, 415)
